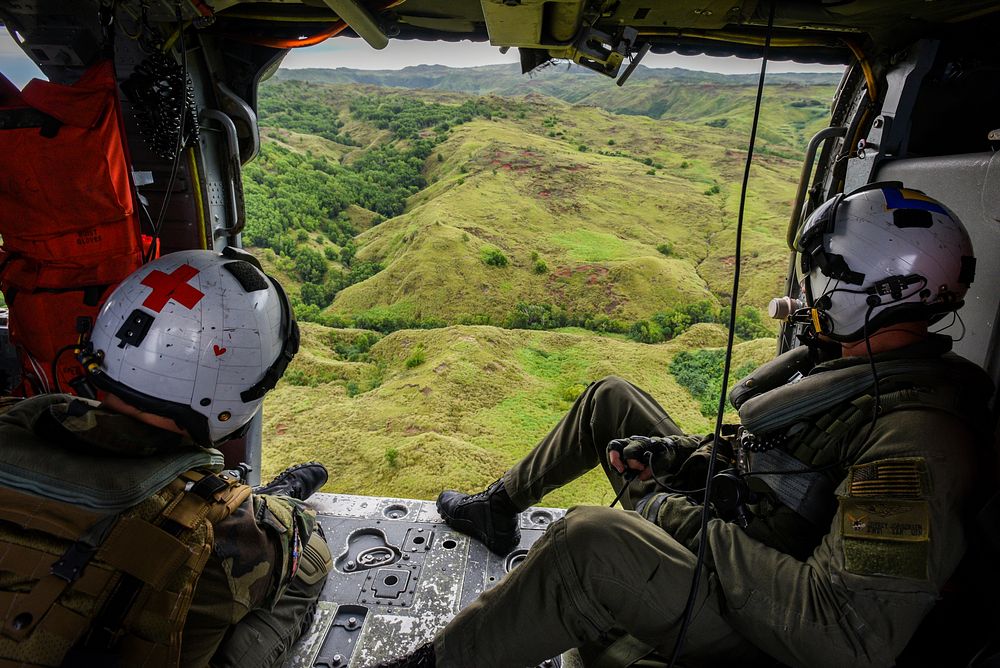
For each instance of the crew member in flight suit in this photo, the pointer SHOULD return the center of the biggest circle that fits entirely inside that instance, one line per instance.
(839, 552)
(122, 542)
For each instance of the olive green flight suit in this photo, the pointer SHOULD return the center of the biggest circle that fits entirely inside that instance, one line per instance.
(258, 590)
(780, 589)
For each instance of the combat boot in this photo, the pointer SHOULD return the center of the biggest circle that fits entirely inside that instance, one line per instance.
(489, 516)
(421, 657)
(299, 482)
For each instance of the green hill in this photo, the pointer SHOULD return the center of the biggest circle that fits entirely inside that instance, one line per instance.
(496, 205)
(420, 409)
(479, 259)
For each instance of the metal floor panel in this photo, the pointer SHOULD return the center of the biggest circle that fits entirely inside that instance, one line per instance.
(399, 575)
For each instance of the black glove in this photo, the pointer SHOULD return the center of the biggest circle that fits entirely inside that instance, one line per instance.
(644, 449)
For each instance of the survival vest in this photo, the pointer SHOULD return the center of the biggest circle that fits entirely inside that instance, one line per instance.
(67, 216)
(99, 562)
(801, 425)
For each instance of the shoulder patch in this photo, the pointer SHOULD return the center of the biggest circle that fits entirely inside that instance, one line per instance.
(886, 536)
(903, 478)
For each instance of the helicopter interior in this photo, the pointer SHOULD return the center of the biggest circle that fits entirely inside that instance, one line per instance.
(919, 103)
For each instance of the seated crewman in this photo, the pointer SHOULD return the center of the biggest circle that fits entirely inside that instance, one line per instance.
(844, 545)
(122, 543)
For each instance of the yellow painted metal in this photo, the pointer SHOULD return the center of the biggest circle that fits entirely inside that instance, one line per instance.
(199, 203)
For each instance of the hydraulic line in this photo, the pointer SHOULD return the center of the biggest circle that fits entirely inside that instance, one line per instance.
(738, 252)
(866, 68)
(335, 28)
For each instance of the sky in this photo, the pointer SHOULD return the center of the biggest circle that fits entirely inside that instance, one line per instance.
(355, 53)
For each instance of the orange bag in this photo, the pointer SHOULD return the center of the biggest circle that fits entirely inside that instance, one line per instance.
(70, 231)
(66, 208)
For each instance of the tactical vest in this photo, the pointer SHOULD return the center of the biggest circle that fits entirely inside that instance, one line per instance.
(100, 555)
(807, 424)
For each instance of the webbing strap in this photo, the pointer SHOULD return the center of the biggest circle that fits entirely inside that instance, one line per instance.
(32, 564)
(624, 651)
(59, 620)
(26, 611)
(816, 394)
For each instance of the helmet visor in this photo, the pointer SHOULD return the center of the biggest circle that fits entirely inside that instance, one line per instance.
(820, 222)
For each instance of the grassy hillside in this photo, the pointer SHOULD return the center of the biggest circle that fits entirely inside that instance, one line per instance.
(408, 413)
(478, 260)
(499, 205)
(794, 103)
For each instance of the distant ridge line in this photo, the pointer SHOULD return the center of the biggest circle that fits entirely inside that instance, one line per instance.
(404, 77)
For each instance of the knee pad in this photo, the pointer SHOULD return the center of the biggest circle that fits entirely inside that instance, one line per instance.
(316, 560)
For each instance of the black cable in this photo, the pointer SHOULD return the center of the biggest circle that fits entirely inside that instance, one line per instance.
(877, 408)
(672, 490)
(629, 475)
(55, 364)
(181, 141)
(710, 473)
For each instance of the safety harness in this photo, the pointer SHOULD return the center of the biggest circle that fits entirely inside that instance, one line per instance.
(793, 429)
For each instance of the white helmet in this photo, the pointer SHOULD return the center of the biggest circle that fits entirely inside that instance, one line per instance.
(880, 255)
(195, 336)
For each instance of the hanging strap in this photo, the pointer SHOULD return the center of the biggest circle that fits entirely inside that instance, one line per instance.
(624, 651)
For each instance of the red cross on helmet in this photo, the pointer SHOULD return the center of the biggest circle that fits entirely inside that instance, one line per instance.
(198, 337)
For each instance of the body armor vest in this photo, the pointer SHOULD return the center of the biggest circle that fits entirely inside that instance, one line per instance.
(85, 580)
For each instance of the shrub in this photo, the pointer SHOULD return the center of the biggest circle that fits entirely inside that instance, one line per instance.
(347, 254)
(570, 393)
(645, 331)
(417, 358)
(317, 295)
(331, 253)
(297, 377)
(714, 190)
(537, 316)
(352, 389)
(310, 265)
(611, 142)
(391, 456)
(540, 267)
(749, 325)
(666, 248)
(700, 371)
(440, 158)
(582, 148)
(685, 164)
(355, 350)
(650, 172)
(493, 257)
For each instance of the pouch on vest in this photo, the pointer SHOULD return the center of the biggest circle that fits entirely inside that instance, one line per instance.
(82, 587)
(66, 212)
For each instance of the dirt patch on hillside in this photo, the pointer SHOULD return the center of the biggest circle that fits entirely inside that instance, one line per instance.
(566, 281)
